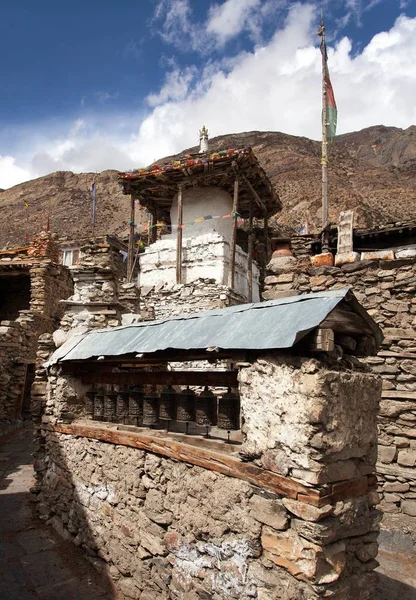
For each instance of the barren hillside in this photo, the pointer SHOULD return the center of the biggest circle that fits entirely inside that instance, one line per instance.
(372, 171)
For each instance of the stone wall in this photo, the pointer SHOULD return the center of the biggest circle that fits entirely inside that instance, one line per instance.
(49, 283)
(387, 290)
(169, 529)
(168, 300)
(101, 293)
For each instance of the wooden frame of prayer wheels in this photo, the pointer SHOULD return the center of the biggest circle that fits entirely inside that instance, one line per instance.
(167, 401)
(206, 408)
(229, 411)
(150, 408)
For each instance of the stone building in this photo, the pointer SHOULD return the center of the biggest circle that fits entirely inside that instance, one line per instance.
(285, 510)
(383, 278)
(32, 282)
(50, 287)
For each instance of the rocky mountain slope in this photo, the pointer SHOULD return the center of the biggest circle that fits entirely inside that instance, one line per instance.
(372, 171)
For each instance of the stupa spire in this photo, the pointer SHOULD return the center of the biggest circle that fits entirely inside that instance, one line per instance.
(203, 140)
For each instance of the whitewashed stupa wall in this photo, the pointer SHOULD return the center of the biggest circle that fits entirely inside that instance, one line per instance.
(204, 256)
(200, 202)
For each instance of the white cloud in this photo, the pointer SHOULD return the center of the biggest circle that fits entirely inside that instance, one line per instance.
(11, 173)
(229, 19)
(275, 87)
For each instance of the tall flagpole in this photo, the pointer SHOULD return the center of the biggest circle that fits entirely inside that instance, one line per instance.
(324, 156)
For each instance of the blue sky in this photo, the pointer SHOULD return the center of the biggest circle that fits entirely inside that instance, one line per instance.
(95, 85)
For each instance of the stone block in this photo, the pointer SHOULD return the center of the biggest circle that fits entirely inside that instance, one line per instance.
(269, 512)
(305, 511)
(302, 558)
(409, 507)
(396, 486)
(386, 454)
(407, 458)
(346, 258)
(322, 259)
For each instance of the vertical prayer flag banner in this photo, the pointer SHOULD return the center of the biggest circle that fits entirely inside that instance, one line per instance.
(93, 198)
(331, 105)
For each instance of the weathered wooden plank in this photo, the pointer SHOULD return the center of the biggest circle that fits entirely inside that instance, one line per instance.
(202, 457)
(210, 378)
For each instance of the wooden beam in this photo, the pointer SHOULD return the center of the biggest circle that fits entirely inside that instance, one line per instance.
(179, 237)
(231, 267)
(207, 458)
(255, 195)
(250, 253)
(200, 378)
(130, 249)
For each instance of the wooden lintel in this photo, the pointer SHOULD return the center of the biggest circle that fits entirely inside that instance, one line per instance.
(199, 456)
(197, 378)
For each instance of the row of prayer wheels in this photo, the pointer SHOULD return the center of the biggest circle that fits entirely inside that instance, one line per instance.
(134, 406)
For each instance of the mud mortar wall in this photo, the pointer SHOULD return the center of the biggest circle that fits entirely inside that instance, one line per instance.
(165, 529)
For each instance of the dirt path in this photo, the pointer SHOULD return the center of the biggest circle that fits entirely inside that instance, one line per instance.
(36, 563)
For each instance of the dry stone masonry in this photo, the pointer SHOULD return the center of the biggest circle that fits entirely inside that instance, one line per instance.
(32, 284)
(386, 288)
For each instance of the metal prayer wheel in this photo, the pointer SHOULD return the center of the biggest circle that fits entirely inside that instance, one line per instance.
(185, 405)
(229, 411)
(122, 406)
(135, 416)
(99, 406)
(89, 403)
(206, 408)
(167, 404)
(150, 405)
(110, 399)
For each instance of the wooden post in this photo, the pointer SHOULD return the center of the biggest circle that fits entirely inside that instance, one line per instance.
(179, 238)
(266, 239)
(324, 155)
(130, 255)
(233, 237)
(250, 253)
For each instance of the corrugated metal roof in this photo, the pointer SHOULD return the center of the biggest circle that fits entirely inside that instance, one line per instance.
(276, 324)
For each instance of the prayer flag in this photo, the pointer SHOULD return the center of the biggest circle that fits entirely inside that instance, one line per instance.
(331, 105)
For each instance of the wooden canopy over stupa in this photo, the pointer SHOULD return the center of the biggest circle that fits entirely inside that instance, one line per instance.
(156, 185)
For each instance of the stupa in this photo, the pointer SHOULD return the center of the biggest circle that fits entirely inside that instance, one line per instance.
(200, 200)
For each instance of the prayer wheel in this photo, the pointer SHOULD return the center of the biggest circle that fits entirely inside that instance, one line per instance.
(110, 399)
(99, 406)
(185, 406)
(135, 416)
(167, 404)
(229, 411)
(89, 403)
(150, 405)
(122, 407)
(206, 408)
